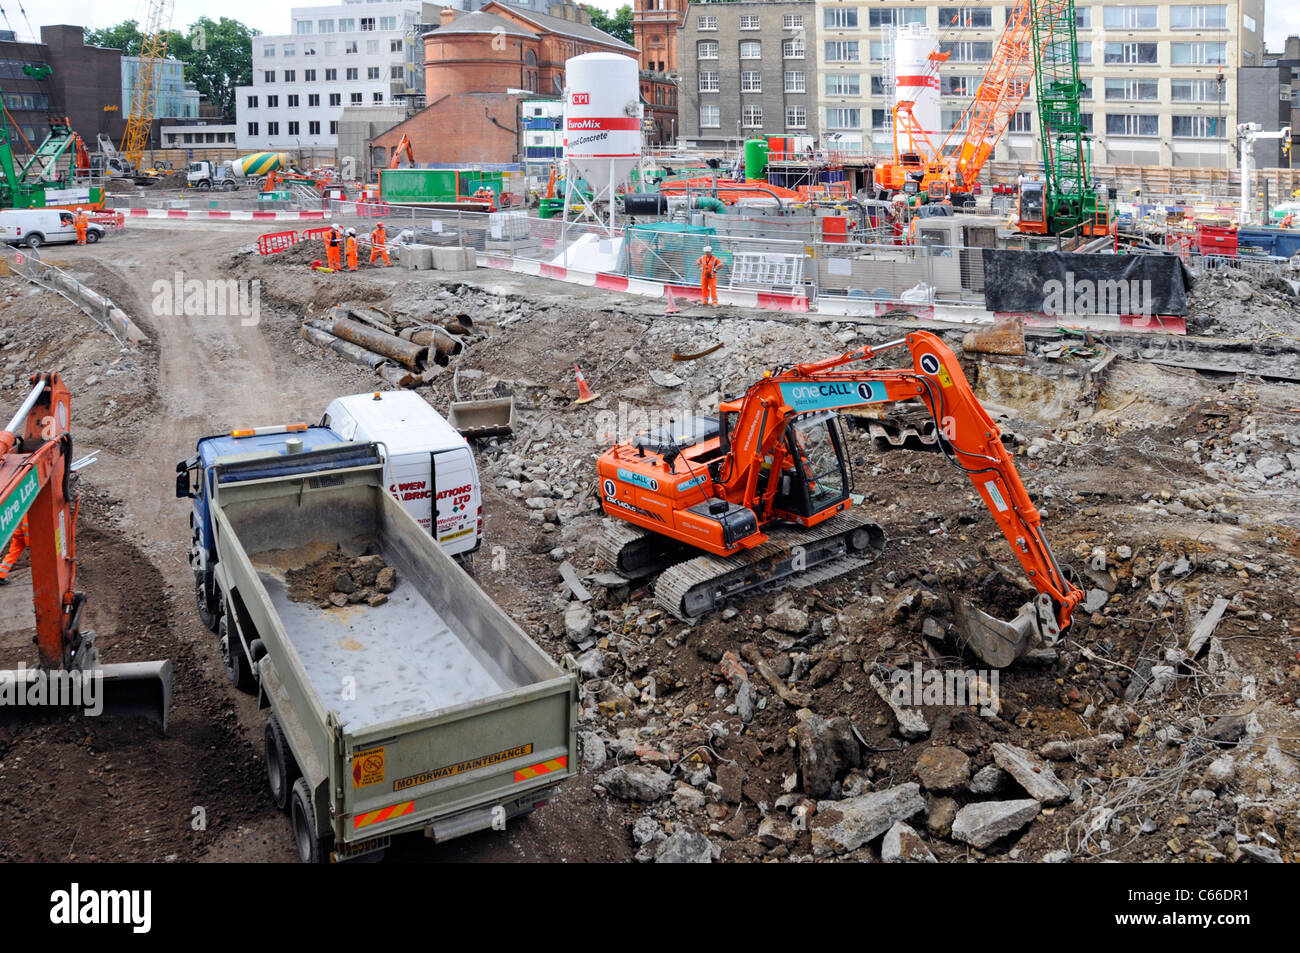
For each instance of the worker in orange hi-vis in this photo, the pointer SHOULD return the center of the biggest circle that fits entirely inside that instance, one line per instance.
(16, 546)
(79, 222)
(379, 245)
(350, 249)
(333, 248)
(709, 265)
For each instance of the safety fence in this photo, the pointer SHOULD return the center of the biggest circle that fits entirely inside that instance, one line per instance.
(99, 308)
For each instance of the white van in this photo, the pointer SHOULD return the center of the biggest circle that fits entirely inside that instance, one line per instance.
(35, 227)
(428, 466)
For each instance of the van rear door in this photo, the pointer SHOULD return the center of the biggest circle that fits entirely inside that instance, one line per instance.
(458, 502)
(407, 475)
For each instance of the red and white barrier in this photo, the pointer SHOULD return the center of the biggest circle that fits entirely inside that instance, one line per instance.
(235, 215)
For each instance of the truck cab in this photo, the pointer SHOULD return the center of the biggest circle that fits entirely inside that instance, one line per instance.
(428, 465)
(205, 175)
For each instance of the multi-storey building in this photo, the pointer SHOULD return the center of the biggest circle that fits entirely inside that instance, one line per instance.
(748, 69)
(1161, 78)
(177, 99)
(351, 54)
(655, 24)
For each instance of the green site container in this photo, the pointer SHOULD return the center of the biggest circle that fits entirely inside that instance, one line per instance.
(550, 208)
(756, 159)
(418, 186)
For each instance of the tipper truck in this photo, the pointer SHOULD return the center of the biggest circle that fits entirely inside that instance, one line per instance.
(432, 711)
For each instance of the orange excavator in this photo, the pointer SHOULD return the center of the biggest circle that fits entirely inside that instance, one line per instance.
(403, 146)
(37, 482)
(764, 490)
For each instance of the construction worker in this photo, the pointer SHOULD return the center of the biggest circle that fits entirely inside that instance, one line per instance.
(379, 245)
(709, 276)
(80, 222)
(350, 249)
(16, 547)
(333, 248)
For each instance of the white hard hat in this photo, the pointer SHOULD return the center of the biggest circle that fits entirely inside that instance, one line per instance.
(708, 249)
(352, 231)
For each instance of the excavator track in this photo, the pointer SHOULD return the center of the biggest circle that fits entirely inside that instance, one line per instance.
(637, 553)
(701, 585)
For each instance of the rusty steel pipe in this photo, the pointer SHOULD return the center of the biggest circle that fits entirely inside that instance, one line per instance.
(314, 333)
(406, 353)
(440, 339)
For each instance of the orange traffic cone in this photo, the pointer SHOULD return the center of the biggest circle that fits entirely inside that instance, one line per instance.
(585, 395)
(671, 307)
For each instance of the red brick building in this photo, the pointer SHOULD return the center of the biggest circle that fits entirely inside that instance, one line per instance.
(654, 27)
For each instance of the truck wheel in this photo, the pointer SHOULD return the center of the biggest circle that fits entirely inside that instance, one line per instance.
(238, 670)
(227, 186)
(204, 185)
(281, 770)
(209, 611)
(35, 240)
(312, 847)
(91, 237)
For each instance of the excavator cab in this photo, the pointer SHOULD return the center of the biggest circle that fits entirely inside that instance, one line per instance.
(816, 477)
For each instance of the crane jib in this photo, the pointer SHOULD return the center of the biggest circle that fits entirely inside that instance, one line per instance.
(827, 395)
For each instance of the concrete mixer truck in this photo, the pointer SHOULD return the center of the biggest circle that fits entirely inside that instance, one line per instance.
(228, 176)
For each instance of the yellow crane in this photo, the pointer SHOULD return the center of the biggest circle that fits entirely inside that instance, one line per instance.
(144, 92)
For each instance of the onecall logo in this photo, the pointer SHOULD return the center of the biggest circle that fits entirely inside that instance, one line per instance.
(866, 391)
(608, 487)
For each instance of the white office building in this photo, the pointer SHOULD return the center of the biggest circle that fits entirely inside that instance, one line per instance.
(357, 53)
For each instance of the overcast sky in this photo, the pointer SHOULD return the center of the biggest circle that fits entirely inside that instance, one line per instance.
(1283, 15)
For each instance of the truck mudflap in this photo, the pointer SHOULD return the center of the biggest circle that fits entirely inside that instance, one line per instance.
(460, 770)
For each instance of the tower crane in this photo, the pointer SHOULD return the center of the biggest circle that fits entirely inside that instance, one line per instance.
(144, 92)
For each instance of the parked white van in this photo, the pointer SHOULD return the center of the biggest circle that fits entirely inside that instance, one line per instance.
(428, 466)
(35, 227)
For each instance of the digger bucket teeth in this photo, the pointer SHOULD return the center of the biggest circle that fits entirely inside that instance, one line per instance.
(141, 689)
(999, 643)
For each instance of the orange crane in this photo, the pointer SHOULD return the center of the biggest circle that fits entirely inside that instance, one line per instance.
(722, 506)
(951, 169)
(37, 483)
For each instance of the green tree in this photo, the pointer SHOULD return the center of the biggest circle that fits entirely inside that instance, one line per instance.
(218, 55)
(617, 24)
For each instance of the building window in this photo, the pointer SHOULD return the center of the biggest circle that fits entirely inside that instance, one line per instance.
(1197, 127)
(969, 18)
(706, 22)
(334, 127)
(953, 119)
(331, 75)
(1083, 18)
(841, 51)
(313, 128)
(709, 81)
(1132, 90)
(895, 16)
(309, 49)
(792, 49)
(268, 51)
(1021, 122)
(372, 46)
(336, 99)
(1200, 17)
(844, 118)
(351, 73)
(843, 84)
(290, 49)
(356, 99)
(377, 98)
(252, 128)
(957, 86)
(792, 21)
(252, 102)
(388, 24)
(794, 81)
(710, 115)
(1248, 22)
(347, 25)
(1198, 54)
(372, 72)
(707, 50)
(751, 117)
(840, 18)
(751, 50)
(1129, 124)
(349, 47)
(966, 51)
(1085, 51)
(289, 75)
(367, 24)
(796, 117)
(272, 102)
(272, 128)
(394, 46)
(1194, 91)
(1142, 54)
(748, 22)
(331, 48)
(268, 76)
(292, 101)
(293, 129)
(302, 27)
(313, 99)
(1129, 18)
(751, 81)
(309, 76)
(396, 72)
(324, 26)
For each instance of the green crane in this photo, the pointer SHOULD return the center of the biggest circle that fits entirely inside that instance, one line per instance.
(46, 179)
(1063, 200)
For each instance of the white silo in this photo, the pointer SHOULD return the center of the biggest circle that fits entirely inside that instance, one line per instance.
(602, 126)
(916, 76)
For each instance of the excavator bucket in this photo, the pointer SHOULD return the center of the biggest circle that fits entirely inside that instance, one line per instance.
(132, 689)
(998, 643)
(140, 689)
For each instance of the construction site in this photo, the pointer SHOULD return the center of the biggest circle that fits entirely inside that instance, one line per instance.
(700, 508)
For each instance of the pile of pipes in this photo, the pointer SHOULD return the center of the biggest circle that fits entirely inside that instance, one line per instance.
(405, 352)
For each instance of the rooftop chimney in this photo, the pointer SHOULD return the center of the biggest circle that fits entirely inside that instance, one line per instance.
(446, 16)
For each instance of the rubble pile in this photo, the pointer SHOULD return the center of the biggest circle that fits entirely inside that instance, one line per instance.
(1239, 303)
(336, 580)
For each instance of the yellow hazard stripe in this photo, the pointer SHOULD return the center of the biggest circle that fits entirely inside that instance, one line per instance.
(537, 770)
(383, 814)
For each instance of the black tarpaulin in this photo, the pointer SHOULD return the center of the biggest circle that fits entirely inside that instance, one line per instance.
(1052, 282)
